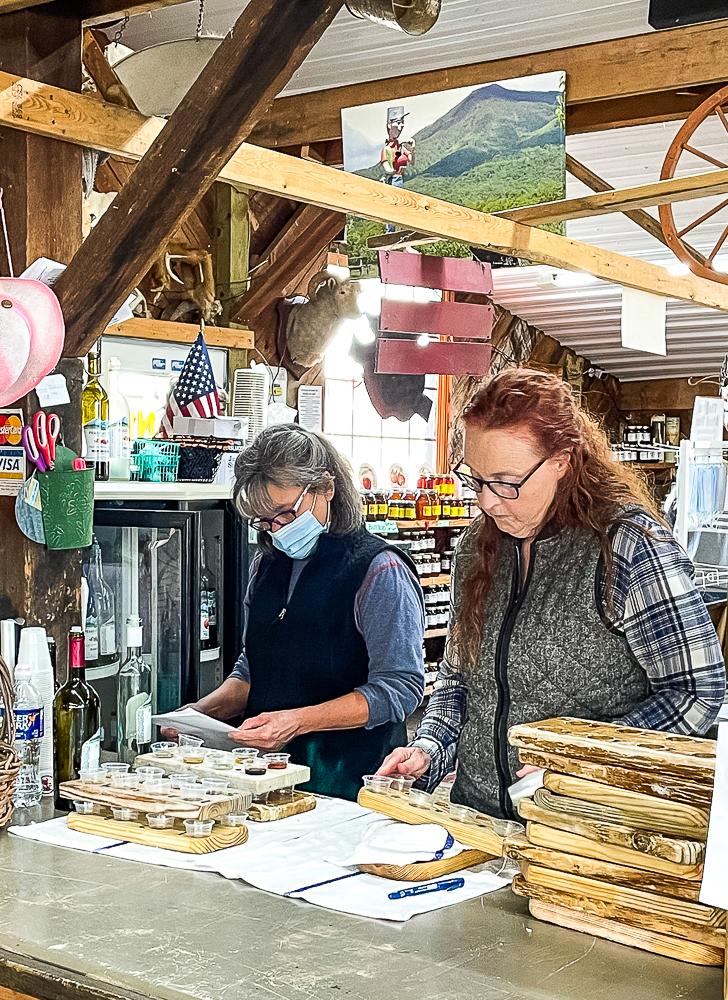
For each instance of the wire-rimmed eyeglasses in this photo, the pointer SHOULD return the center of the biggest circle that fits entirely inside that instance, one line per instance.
(285, 516)
(505, 491)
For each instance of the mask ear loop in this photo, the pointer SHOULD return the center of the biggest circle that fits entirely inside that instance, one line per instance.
(5, 235)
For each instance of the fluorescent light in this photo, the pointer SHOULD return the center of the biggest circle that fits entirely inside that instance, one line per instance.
(423, 340)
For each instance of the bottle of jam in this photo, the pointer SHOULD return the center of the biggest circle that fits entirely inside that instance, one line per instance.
(394, 509)
(436, 503)
(382, 506)
(424, 507)
(373, 507)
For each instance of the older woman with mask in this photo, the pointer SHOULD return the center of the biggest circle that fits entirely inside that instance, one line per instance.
(332, 664)
(570, 597)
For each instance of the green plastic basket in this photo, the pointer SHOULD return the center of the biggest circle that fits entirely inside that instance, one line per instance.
(154, 461)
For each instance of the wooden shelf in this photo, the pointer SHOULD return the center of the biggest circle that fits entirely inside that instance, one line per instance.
(653, 465)
(434, 633)
(458, 522)
(435, 581)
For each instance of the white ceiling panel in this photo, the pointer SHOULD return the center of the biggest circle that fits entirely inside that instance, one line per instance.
(468, 31)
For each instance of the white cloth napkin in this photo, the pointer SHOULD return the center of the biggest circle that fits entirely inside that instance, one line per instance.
(388, 842)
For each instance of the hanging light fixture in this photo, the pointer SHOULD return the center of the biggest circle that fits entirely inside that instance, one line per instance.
(415, 17)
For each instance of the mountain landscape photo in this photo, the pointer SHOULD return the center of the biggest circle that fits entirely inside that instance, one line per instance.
(497, 148)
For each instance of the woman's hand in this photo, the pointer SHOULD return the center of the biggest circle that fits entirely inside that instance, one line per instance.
(411, 761)
(268, 731)
(173, 734)
(527, 769)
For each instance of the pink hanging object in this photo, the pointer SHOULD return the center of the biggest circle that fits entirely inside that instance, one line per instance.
(32, 330)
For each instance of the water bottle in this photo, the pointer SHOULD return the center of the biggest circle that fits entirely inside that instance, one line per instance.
(28, 736)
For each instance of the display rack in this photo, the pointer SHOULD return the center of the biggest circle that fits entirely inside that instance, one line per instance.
(707, 576)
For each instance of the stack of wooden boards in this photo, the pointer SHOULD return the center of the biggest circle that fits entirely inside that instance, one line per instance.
(615, 839)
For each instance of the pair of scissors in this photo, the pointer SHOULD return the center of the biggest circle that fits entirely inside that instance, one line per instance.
(39, 441)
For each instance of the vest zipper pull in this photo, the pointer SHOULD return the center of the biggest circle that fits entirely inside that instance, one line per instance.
(282, 615)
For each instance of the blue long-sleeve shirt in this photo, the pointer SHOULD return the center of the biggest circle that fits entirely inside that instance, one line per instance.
(389, 615)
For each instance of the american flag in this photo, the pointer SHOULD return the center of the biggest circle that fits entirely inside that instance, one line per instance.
(195, 394)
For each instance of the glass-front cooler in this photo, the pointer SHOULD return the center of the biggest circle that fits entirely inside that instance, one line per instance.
(183, 572)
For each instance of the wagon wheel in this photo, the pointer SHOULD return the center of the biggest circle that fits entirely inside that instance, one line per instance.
(684, 144)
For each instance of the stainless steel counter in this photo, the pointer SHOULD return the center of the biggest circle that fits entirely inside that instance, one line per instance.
(80, 925)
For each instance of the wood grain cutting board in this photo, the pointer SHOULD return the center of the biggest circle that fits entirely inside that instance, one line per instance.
(635, 937)
(662, 786)
(631, 808)
(571, 843)
(656, 845)
(174, 804)
(174, 839)
(638, 899)
(293, 774)
(686, 757)
(713, 937)
(265, 813)
(427, 870)
(520, 850)
(481, 834)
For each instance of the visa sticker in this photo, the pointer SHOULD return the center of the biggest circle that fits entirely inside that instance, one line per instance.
(177, 366)
(159, 364)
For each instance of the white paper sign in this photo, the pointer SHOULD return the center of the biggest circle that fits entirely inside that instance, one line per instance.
(310, 407)
(53, 390)
(714, 888)
(707, 424)
(643, 321)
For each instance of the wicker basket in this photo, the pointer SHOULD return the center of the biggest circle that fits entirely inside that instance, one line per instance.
(9, 760)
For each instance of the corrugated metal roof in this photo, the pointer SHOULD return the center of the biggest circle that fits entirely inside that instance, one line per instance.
(468, 31)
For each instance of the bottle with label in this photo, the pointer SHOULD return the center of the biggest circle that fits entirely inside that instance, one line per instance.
(119, 440)
(208, 604)
(103, 596)
(28, 735)
(134, 702)
(95, 407)
(91, 621)
(33, 651)
(77, 718)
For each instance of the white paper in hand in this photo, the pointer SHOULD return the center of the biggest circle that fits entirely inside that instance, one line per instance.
(714, 888)
(194, 723)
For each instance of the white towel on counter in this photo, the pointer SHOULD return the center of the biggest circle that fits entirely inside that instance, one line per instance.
(388, 842)
(290, 857)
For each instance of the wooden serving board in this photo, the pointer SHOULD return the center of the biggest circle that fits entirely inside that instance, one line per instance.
(685, 757)
(663, 786)
(713, 937)
(264, 813)
(656, 845)
(173, 805)
(294, 774)
(631, 808)
(634, 937)
(481, 834)
(638, 899)
(174, 839)
(518, 849)
(571, 843)
(427, 870)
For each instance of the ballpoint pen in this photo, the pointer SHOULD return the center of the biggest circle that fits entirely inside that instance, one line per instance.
(447, 885)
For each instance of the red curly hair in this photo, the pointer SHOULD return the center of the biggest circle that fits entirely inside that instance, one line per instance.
(591, 494)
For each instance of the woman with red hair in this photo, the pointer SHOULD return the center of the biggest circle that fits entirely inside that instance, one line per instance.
(570, 597)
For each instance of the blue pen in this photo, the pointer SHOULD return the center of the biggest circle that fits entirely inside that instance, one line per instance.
(417, 890)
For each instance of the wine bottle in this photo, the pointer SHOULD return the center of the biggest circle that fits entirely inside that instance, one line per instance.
(134, 703)
(119, 441)
(77, 719)
(95, 407)
(108, 652)
(91, 620)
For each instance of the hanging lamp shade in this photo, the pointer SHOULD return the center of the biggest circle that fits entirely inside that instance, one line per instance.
(158, 77)
(415, 17)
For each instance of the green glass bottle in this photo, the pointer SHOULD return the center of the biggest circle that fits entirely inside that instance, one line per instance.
(77, 720)
(95, 405)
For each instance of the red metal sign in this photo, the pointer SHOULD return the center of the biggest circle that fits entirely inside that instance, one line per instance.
(453, 274)
(406, 357)
(446, 319)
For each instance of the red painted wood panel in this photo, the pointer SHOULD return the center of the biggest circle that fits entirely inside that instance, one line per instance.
(452, 274)
(406, 357)
(446, 319)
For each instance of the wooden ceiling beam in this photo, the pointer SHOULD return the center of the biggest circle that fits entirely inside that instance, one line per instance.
(34, 107)
(252, 64)
(608, 202)
(640, 109)
(600, 72)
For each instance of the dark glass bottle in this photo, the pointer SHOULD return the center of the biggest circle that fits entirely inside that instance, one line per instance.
(77, 719)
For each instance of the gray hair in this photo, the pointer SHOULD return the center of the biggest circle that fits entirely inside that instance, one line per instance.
(289, 456)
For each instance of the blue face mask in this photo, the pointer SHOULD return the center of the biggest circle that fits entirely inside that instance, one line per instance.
(299, 538)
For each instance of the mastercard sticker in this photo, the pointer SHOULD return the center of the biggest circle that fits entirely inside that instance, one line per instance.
(11, 426)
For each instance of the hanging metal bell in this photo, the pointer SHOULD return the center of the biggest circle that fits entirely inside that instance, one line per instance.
(415, 17)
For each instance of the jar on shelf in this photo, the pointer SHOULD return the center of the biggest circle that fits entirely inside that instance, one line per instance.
(446, 561)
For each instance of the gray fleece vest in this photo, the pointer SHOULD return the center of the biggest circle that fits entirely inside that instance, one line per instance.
(546, 652)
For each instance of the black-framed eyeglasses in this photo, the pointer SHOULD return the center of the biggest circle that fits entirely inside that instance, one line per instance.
(285, 516)
(506, 491)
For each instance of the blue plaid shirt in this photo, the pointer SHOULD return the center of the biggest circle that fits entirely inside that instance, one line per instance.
(666, 624)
